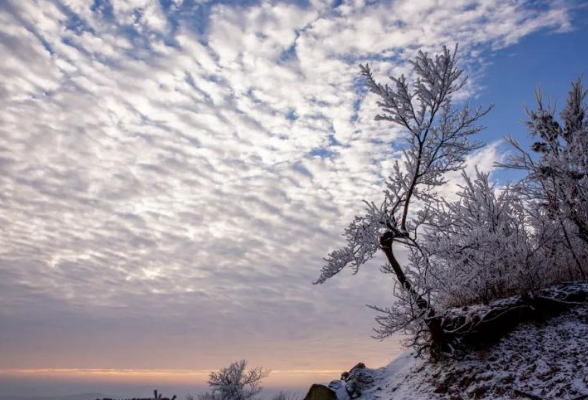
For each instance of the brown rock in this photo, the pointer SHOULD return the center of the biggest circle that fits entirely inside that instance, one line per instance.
(320, 392)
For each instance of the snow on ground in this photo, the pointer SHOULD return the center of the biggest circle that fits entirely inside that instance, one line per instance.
(548, 361)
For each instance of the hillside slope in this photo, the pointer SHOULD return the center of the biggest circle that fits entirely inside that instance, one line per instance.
(540, 362)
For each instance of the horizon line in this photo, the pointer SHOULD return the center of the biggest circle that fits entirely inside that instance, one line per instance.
(151, 370)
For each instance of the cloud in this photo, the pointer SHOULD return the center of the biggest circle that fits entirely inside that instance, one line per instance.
(185, 181)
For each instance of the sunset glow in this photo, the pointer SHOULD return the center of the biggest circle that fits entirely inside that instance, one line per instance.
(195, 378)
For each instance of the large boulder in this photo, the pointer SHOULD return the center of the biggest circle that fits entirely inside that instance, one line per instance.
(353, 382)
(320, 392)
(358, 379)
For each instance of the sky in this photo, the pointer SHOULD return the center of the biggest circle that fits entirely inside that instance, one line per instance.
(172, 173)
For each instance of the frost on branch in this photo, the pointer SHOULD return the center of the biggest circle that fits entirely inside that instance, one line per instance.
(486, 245)
(363, 238)
(557, 170)
(436, 140)
(490, 244)
(235, 383)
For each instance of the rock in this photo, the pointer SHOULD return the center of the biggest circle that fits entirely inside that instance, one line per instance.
(320, 392)
(357, 380)
(362, 376)
(352, 388)
(358, 366)
(335, 385)
(338, 386)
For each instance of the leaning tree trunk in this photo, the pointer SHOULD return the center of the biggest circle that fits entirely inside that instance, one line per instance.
(439, 340)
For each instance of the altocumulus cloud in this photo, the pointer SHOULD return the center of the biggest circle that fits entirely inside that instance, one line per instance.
(172, 172)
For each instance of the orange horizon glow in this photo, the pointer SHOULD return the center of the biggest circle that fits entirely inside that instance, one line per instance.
(277, 378)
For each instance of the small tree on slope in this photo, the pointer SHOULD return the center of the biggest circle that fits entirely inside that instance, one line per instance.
(436, 141)
(235, 383)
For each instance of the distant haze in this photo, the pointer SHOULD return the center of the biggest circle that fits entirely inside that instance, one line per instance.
(137, 383)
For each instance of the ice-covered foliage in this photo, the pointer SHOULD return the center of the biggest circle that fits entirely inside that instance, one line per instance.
(235, 383)
(557, 169)
(436, 139)
(487, 245)
(492, 242)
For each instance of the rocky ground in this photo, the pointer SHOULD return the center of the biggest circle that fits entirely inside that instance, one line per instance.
(538, 361)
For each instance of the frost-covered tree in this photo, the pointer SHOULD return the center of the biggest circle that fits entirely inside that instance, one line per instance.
(235, 383)
(435, 141)
(486, 245)
(557, 174)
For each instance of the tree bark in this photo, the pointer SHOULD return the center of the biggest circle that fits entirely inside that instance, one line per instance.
(433, 322)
